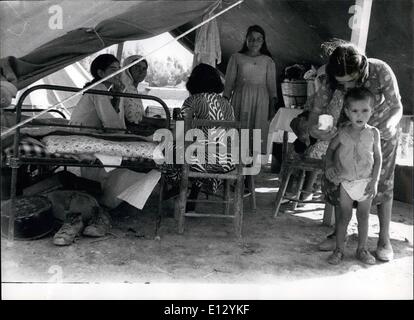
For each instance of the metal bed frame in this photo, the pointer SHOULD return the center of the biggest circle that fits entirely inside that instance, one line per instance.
(15, 161)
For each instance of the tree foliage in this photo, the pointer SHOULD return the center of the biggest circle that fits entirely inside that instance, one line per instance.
(161, 72)
(169, 72)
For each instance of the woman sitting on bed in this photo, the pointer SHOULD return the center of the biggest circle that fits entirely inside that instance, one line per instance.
(131, 77)
(98, 110)
(102, 112)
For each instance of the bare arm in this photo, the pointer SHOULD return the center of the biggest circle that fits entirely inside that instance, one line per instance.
(377, 156)
(271, 79)
(271, 88)
(388, 125)
(331, 171)
(230, 79)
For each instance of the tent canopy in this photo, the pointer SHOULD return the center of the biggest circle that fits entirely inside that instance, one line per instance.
(91, 26)
(33, 45)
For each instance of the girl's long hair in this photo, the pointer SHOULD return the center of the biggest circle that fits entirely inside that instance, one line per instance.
(263, 50)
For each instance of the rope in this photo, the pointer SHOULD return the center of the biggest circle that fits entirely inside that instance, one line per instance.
(99, 37)
(11, 129)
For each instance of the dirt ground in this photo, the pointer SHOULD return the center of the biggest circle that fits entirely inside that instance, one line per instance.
(277, 258)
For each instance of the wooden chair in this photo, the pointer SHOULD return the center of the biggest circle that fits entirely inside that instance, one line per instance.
(235, 176)
(289, 165)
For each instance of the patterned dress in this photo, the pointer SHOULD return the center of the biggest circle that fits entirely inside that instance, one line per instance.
(208, 106)
(382, 82)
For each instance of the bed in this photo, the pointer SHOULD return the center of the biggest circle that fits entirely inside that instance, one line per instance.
(55, 143)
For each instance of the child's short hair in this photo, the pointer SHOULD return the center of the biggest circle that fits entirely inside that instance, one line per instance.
(359, 93)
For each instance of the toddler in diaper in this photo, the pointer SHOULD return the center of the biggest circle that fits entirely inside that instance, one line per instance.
(353, 161)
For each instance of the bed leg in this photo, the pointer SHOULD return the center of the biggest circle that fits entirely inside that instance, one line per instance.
(12, 214)
(159, 215)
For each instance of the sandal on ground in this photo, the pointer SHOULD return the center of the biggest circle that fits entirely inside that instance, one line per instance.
(70, 230)
(336, 257)
(384, 253)
(99, 225)
(365, 256)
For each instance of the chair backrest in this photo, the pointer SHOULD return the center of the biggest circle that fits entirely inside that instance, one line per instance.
(218, 129)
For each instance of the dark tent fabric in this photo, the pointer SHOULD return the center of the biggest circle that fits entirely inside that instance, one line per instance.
(296, 29)
(137, 20)
(27, 25)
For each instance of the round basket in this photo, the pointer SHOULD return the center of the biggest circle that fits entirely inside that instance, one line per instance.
(33, 217)
(294, 92)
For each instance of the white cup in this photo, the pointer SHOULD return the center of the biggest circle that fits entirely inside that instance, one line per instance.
(325, 122)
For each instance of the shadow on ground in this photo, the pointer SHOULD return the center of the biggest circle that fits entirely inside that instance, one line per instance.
(270, 250)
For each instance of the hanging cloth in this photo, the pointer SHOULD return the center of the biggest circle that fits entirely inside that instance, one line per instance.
(207, 47)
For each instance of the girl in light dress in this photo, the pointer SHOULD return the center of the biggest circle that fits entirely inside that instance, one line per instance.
(250, 83)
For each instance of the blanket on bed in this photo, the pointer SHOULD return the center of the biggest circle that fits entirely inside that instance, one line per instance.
(76, 144)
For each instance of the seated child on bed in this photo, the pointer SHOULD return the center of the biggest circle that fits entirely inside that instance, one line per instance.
(353, 161)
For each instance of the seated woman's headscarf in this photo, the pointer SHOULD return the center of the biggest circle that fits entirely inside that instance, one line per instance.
(134, 109)
(126, 76)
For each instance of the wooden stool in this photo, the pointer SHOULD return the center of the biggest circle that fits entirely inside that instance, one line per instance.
(288, 166)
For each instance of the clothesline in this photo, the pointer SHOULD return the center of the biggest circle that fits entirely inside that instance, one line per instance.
(55, 106)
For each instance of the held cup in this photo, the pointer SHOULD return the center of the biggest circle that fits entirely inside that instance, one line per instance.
(325, 122)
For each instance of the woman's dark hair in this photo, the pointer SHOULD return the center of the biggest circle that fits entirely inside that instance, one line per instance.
(101, 62)
(263, 49)
(346, 59)
(204, 79)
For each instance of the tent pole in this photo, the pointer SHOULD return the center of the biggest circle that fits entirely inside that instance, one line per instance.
(119, 51)
(360, 26)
